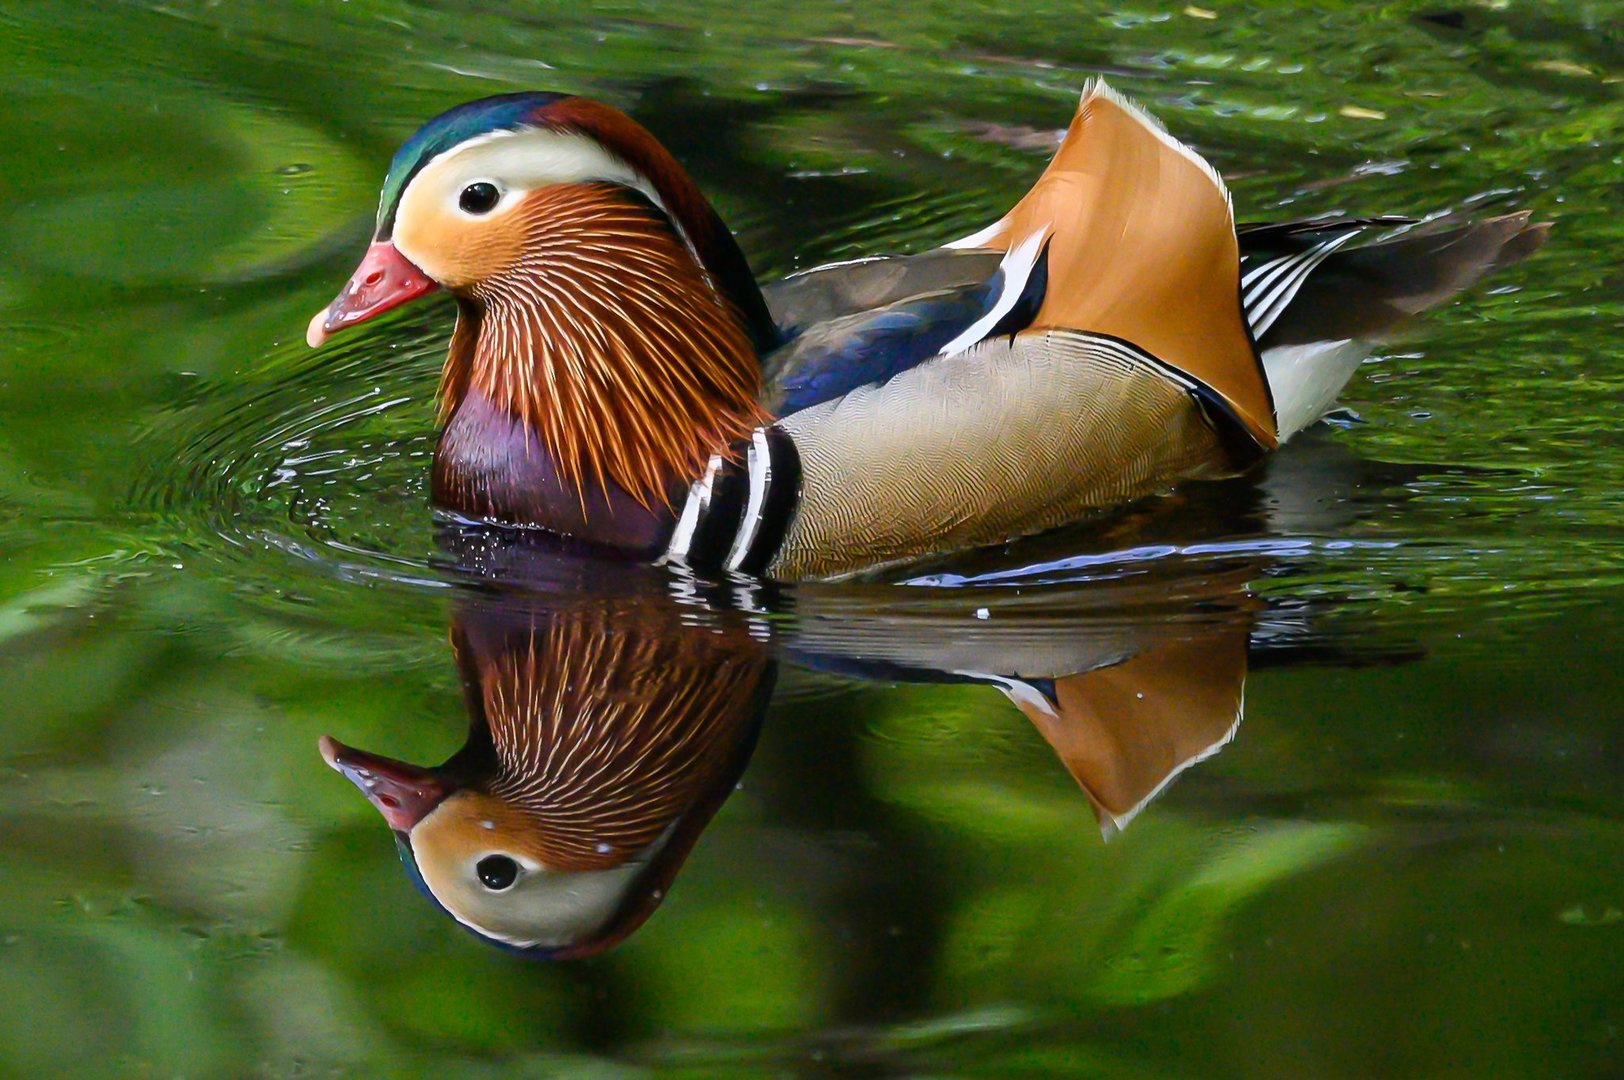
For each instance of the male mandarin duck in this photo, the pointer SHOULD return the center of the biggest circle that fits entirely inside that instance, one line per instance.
(617, 375)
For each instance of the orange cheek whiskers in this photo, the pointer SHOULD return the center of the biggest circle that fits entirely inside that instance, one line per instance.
(609, 342)
(589, 777)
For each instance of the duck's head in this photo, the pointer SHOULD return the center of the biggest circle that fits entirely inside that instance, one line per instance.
(593, 761)
(485, 860)
(583, 259)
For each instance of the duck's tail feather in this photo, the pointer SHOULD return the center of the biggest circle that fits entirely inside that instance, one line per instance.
(1368, 292)
(1317, 305)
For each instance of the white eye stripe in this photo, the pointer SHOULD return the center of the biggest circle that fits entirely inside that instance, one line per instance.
(531, 158)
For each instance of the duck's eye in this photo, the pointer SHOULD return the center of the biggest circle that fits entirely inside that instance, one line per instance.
(479, 198)
(497, 872)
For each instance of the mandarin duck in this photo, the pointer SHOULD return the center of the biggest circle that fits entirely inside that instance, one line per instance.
(613, 707)
(616, 373)
(602, 738)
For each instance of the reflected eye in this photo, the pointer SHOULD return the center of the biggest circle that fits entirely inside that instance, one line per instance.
(478, 198)
(497, 872)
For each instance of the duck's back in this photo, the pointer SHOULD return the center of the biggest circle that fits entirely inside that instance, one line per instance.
(1086, 350)
(1099, 343)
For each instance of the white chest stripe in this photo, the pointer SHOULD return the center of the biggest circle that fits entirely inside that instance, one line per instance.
(699, 494)
(759, 462)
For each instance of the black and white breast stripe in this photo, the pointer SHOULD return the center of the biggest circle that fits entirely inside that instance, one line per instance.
(736, 515)
(1268, 288)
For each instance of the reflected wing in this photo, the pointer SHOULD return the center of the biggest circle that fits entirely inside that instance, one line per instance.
(1124, 732)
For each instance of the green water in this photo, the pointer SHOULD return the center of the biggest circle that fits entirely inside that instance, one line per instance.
(1408, 862)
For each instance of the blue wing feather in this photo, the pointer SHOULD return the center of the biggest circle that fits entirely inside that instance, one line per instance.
(832, 358)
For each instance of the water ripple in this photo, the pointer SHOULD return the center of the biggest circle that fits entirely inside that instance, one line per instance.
(320, 458)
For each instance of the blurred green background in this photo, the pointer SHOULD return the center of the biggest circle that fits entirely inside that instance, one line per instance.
(216, 547)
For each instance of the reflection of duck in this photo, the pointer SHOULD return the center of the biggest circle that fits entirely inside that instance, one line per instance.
(614, 360)
(603, 736)
(601, 740)
(1125, 731)
(1130, 663)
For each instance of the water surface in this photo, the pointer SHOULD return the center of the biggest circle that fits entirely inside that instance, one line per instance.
(1407, 860)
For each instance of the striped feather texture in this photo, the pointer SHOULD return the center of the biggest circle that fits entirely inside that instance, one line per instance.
(606, 732)
(606, 340)
(602, 738)
(1008, 438)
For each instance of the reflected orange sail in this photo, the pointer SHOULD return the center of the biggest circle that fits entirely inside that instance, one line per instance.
(1124, 732)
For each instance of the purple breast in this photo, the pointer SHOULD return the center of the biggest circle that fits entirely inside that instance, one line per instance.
(489, 466)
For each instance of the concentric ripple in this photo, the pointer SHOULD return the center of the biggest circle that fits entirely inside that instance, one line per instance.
(323, 457)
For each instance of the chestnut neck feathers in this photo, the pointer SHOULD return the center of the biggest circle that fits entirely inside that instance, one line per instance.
(605, 734)
(632, 143)
(609, 342)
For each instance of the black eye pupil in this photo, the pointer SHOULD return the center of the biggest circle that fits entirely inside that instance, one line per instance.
(479, 198)
(497, 872)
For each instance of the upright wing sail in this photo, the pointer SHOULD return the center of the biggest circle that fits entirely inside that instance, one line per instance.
(1142, 247)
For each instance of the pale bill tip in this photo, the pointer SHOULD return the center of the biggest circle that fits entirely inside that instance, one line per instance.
(316, 332)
